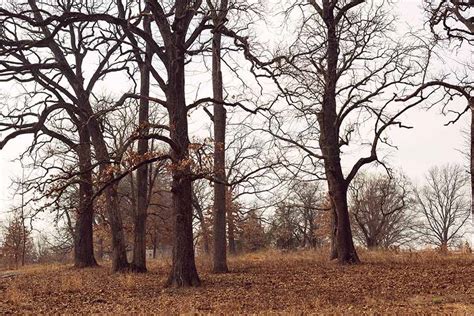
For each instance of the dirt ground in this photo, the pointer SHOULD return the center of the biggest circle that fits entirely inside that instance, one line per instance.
(262, 283)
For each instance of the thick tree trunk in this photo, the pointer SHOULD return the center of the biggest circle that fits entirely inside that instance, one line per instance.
(183, 271)
(139, 232)
(329, 143)
(83, 232)
(346, 253)
(219, 233)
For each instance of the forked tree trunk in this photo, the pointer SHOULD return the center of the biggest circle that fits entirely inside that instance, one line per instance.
(219, 233)
(83, 232)
(139, 233)
(183, 270)
(329, 144)
(119, 256)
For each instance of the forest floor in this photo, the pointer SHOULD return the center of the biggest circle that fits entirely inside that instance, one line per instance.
(261, 283)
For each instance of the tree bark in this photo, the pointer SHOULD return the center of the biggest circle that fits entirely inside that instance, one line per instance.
(139, 233)
(329, 143)
(346, 253)
(119, 251)
(83, 232)
(183, 271)
(219, 233)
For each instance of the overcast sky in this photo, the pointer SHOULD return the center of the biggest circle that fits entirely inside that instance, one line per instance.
(429, 143)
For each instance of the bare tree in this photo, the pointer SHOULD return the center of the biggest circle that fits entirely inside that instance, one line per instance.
(54, 58)
(340, 76)
(139, 244)
(443, 206)
(297, 220)
(219, 118)
(450, 23)
(380, 206)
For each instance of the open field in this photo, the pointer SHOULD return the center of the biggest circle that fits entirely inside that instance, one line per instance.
(259, 283)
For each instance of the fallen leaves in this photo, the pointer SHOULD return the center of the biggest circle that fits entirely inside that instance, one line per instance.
(257, 283)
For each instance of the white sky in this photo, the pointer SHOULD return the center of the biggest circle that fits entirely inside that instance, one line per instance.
(429, 143)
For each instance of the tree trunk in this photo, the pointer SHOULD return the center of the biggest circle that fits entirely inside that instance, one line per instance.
(219, 233)
(119, 251)
(83, 232)
(139, 232)
(329, 143)
(444, 247)
(346, 253)
(183, 271)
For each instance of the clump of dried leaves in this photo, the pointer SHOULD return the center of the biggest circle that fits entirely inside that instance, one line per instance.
(258, 283)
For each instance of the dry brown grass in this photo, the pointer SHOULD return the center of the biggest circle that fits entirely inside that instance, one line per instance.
(261, 283)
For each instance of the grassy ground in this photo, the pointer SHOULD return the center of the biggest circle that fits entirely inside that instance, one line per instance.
(259, 283)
